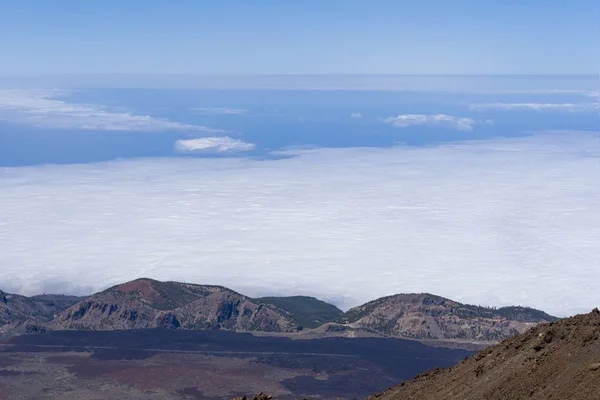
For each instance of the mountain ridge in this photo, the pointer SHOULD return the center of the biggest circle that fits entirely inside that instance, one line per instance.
(149, 303)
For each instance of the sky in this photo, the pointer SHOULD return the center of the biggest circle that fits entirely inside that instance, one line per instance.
(299, 37)
(286, 148)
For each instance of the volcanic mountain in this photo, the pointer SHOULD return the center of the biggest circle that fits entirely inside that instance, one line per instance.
(559, 361)
(429, 317)
(146, 303)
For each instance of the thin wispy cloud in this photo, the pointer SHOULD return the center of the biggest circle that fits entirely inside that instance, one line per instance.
(496, 222)
(438, 120)
(41, 109)
(568, 107)
(356, 115)
(595, 94)
(223, 144)
(220, 111)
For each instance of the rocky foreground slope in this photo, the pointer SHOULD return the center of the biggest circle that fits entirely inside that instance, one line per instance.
(147, 303)
(558, 361)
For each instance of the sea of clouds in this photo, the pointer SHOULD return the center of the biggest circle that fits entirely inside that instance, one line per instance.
(495, 222)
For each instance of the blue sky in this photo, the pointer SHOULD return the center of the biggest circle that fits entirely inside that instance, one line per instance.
(272, 147)
(300, 37)
(65, 126)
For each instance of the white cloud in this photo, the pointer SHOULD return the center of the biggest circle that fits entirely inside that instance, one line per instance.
(441, 120)
(221, 111)
(504, 221)
(356, 115)
(213, 144)
(40, 108)
(595, 94)
(569, 107)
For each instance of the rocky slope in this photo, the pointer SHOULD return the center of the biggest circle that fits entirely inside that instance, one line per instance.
(559, 360)
(146, 303)
(15, 308)
(430, 317)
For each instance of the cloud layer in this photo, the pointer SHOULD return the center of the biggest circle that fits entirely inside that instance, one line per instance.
(439, 120)
(222, 144)
(569, 107)
(506, 221)
(40, 108)
(220, 111)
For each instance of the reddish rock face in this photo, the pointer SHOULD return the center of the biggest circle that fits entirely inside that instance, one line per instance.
(142, 286)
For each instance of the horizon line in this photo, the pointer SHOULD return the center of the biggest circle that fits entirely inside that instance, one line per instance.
(357, 74)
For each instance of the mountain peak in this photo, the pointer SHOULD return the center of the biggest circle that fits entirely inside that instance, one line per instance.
(165, 295)
(143, 286)
(148, 303)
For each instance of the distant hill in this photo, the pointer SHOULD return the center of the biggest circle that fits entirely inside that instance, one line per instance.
(16, 308)
(559, 361)
(306, 312)
(429, 317)
(57, 301)
(147, 303)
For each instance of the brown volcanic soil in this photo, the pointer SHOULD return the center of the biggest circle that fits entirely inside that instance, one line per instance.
(557, 361)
